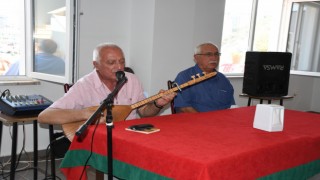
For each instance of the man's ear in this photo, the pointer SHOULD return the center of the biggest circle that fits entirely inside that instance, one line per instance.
(195, 58)
(95, 64)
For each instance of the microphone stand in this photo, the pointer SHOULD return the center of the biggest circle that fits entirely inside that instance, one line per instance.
(108, 103)
(109, 123)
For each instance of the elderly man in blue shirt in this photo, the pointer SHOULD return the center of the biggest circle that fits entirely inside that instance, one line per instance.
(212, 94)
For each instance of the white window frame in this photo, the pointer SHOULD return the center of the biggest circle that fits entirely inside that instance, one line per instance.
(69, 56)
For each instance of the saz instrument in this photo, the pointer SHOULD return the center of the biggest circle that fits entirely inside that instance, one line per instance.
(121, 112)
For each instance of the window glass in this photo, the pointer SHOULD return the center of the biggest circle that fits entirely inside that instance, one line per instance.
(235, 37)
(267, 26)
(12, 58)
(37, 39)
(260, 26)
(303, 36)
(250, 28)
(50, 33)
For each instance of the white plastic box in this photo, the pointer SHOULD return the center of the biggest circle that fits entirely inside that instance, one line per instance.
(269, 117)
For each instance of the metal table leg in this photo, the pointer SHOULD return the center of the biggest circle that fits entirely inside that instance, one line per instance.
(1, 124)
(249, 101)
(35, 149)
(13, 150)
(53, 163)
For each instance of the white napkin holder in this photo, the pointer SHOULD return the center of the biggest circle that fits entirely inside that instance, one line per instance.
(269, 117)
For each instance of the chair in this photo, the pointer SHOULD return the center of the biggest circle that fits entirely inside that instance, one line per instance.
(171, 85)
(128, 69)
(67, 87)
(99, 174)
(53, 137)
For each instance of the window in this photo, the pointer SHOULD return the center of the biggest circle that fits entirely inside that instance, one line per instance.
(235, 37)
(260, 26)
(303, 36)
(12, 37)
(45, 30)
(255, 26)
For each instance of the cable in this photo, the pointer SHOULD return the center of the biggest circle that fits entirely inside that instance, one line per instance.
(47, 155)
(20, 154)
(91, 147)
(5, 177)
(5, 93)
(23, 145)
(3, 165)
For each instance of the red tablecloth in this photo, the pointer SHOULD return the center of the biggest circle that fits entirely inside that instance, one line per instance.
(213, 145)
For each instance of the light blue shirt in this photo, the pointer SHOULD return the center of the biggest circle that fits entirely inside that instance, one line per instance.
(44, 63)
(50, 64)
(13, 69)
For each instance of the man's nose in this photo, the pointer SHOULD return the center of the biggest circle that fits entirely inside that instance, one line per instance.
(119, 65)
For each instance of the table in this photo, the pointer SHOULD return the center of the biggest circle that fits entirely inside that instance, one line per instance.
(213, 145)
(14, 120)
(269, 99)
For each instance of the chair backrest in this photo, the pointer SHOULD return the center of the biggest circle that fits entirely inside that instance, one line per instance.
(67, 87)
(128, 69)
(171, 85)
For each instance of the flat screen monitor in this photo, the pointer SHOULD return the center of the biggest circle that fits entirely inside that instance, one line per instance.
(266, 74)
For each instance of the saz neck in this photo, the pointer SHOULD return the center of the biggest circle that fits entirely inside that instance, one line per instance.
(174, 89)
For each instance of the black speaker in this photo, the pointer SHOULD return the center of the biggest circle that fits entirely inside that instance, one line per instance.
(266, 74)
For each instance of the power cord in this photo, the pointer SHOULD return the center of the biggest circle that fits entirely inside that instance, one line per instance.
(5, 93)
(49, 148)
(4, 172)
(91, 149)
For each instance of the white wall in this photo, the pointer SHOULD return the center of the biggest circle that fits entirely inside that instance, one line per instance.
(141, 39)
(315, 103)
(158, 38)
(102, 21)
(173, 41)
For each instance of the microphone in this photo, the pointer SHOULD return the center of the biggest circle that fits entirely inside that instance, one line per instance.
(120, 75)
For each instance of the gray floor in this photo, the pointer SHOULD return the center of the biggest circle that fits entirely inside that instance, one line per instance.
(316, 177)
(26, 172)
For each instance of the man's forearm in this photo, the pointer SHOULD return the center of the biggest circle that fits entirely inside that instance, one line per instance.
(149, 109)
(62, 116)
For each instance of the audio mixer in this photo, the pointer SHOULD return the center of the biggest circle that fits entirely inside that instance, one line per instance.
(23, 104)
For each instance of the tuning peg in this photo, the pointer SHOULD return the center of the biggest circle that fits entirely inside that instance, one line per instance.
(204, 73)
(193, 77)
(198, 75)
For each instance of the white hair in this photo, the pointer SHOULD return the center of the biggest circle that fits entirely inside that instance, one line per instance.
(197, 50)
(97, 49)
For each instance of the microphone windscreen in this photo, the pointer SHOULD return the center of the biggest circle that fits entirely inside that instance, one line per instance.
(120, 75)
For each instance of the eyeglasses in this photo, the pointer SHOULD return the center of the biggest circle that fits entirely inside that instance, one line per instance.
(210, 54)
